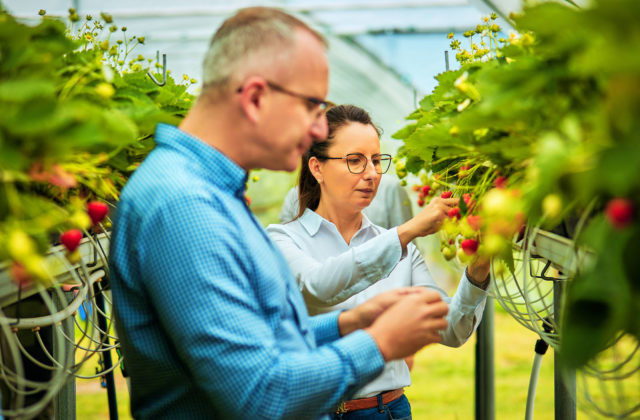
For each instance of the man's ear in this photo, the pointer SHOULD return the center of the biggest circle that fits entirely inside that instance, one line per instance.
(315, 168)
(252, 97)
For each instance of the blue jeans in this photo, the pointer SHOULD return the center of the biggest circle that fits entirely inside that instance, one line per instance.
(399, 409)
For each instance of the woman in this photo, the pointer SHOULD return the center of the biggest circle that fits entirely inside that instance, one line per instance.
(340, 259)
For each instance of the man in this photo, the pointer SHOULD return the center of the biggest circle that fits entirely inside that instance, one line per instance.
(210, 320)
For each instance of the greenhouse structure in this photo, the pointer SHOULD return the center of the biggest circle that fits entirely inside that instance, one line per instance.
(150, 266)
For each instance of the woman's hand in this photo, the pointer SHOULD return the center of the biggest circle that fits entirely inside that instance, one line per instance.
(427, 221)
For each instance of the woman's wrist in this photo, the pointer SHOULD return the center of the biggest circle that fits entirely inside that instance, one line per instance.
(406, 234)
(482, 284)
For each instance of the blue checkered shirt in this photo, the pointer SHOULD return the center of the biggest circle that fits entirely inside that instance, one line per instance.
(211, 322)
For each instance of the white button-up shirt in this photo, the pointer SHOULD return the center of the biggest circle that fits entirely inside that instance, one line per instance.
(333, 275)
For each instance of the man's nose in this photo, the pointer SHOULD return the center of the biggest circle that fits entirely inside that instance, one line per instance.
(320, 128)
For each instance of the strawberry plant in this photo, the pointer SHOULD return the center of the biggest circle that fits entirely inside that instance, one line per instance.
(77, 115)
(542, 128)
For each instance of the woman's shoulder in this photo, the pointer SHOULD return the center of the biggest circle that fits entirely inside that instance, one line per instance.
(291, 228)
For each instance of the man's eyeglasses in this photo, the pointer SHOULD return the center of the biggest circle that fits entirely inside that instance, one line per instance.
(357, 162)
(312, 102)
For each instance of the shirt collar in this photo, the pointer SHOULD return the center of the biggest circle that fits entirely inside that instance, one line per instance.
(312, 221)
(218, 168)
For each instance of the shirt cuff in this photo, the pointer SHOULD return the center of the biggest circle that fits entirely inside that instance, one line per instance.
(325, 327)
(469, 293)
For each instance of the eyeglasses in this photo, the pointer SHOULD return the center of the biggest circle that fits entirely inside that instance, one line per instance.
(312, 102)
(357, 162)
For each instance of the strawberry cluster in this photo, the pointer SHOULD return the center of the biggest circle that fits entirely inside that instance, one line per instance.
(28, 264)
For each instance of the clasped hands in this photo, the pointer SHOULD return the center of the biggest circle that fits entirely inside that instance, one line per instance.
(401, 321)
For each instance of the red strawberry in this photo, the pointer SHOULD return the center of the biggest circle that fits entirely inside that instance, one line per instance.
(20, 275)
(500, 182)
(464, 171)
(474, 222)
(446, 194)
(469, 246)
(71, 239)
(454, 213)
(468, 201)
(426, 189)
(619, 212)
(416, 187)
(420, 202)
(97, 211)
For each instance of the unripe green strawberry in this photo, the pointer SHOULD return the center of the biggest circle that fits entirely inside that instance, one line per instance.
(552, 206)
(37, 266)
(494, 245)
(466, 230)
(401, 169)
(74, 257)
(462, 256)
(450, 227)
(80, 219)
(20, 245)
(448, 252)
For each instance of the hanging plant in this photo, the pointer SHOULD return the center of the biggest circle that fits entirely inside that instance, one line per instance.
(537, 128)
(77, 116)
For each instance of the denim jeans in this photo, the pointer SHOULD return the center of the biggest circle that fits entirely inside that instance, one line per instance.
(399, 409)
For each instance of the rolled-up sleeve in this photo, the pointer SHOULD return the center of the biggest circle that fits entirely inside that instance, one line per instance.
(337, 278)
(465, 307)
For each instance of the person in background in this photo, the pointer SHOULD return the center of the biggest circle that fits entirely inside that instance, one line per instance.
(341, 260)
(209, 317)
(390, 207)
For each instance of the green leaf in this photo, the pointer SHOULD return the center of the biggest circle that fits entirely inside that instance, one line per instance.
(23, 90)
(598, 301)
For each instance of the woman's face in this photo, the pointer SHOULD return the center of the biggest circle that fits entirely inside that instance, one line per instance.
(340, 187)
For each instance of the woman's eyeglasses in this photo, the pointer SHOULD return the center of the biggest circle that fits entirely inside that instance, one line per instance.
(357, 162)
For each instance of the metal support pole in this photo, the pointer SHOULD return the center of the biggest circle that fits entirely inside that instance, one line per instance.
(106, 355)
(564, 379)
(485, 388)
(64, 403)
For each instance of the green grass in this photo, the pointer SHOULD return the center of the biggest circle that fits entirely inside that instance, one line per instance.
(443, 381)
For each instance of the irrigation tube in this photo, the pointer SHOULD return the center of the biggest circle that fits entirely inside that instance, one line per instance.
(541, 349)
(533, 384)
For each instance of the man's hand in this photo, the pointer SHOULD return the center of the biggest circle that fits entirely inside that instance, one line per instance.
(411, 323)
(364, 314)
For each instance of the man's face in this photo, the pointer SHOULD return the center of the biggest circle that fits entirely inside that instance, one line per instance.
(294, 122)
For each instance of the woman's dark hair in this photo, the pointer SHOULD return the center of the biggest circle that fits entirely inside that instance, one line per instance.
(337, 117)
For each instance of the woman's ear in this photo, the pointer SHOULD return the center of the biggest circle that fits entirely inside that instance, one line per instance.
(315, 167)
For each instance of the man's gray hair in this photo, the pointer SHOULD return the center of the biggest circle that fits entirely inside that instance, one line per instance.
(247, 34)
